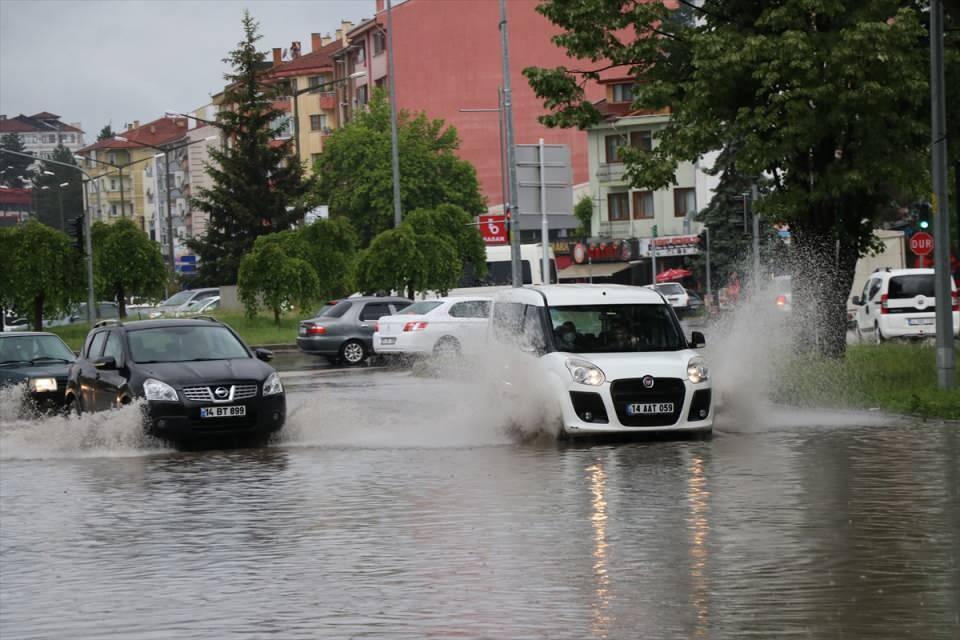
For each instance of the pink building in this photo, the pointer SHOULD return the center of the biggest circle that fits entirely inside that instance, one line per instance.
(448, 58)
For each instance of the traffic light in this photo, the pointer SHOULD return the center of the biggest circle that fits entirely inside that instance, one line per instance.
(654, 231)
(923, 217)
(75, 229)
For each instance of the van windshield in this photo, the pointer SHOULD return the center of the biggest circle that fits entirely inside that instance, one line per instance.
(615, 328)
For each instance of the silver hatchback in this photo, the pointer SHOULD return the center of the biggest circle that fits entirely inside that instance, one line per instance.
(343, 331)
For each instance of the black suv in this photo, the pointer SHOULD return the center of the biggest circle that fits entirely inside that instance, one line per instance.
(197, 376)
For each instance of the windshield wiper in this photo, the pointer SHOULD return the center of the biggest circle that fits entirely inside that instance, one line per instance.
(6, 362)
(41, 359)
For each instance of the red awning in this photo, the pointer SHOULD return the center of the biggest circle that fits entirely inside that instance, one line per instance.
(670, 275)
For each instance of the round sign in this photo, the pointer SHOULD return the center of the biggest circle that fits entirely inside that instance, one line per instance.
(921, 243)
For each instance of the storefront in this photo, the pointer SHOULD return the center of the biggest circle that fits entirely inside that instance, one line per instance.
(627, 260)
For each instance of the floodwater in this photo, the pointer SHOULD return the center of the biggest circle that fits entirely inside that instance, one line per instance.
(395, 507)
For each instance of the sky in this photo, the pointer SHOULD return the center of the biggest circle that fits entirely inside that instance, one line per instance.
(101, 62)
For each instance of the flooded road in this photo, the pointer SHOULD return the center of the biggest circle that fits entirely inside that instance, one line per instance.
(396, 507)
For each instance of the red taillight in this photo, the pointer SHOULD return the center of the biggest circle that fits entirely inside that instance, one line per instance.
(956, 307)
(884, 308)
(415, 326)
(781, 301)
(316, 330)
(376, 326)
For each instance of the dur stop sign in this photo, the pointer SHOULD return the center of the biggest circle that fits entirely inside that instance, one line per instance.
(921, 243)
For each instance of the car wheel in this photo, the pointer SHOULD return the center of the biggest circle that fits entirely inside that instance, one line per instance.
(446, 347)
(353, 352)
(73, 407)
(859, 334)
(877, 334)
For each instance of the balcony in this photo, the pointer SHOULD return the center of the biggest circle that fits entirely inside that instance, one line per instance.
(610, 173)
(328, 101)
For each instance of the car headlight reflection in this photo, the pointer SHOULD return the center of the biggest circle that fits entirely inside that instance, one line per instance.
(585, 372)
(43, 385)
(697, 370)
(272, 386)
(157, 390)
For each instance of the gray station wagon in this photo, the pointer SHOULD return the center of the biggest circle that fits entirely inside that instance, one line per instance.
(343, 331)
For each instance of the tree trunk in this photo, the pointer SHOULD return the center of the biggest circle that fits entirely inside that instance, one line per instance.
(276, 315)
(410, 291)
(38, 312)
(122, 301)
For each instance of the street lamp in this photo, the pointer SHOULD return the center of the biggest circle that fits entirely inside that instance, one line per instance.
(166, 166)
(88, 245)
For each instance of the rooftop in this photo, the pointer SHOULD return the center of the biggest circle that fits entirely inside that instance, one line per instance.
(44, 122)
(158, 132)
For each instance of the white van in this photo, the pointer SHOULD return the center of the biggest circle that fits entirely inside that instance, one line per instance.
(613, 357)
(899, 303)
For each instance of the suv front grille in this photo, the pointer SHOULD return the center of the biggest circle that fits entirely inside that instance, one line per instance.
(631, 391)
(234, 392)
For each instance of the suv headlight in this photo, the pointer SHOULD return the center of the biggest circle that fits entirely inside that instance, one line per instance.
(272, 386)
(697, 370)
(585, 372)
(41, 385)
(157, 390)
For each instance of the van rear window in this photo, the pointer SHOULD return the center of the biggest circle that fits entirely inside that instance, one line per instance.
(911, 286)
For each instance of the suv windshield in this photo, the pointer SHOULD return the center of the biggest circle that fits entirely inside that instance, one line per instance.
(185, 343)
(911, 286)
(616, 328)
(33, 349)
(177, 299)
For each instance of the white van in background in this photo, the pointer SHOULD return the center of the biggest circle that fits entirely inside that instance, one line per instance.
(500, 270)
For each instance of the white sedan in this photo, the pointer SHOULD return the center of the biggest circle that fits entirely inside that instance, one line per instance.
(445, 326)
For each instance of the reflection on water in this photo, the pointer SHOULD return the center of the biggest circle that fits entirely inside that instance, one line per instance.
(827, 532)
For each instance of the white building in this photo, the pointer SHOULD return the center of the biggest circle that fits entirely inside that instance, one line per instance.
(42, 132)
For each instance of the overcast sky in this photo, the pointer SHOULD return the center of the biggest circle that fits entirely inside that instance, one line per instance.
(116, 61)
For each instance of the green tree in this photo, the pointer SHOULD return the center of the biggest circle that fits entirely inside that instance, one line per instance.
(355, 176)
(105, 134)
(12, 167)
(330, 246)
(6, 280)
(45, 272)
(583, 212)
(390, 263)
(126, 262)
(826, 98)
(257, 188)
(56, 205)
(273, 278)
(455, 225)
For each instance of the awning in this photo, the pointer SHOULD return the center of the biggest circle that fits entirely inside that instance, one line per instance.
(599, 270)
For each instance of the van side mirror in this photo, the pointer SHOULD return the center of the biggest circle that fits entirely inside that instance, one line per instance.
(107, 363)
(697, 340)
(856, 301)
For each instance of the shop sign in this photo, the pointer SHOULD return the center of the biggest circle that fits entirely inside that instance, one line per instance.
(603, 250)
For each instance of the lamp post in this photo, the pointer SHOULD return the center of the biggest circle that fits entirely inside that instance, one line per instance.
(394, 143)
(63, 224)
(165, 150)
(88, 245)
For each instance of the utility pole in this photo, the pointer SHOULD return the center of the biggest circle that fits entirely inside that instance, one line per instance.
(394, 142)
(756, 237)
(512, 204)
(706, 230)
(946, 367)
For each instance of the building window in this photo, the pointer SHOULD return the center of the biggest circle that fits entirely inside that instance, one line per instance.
(362, 95)
(641, 140)
(612, 146)
(361, 55)
(622, 92)
(379, 42)
(642, 204)
(314, 81)
(618, 206)
(318, 122)
(684, 202)
(113, 184)
(314, 158)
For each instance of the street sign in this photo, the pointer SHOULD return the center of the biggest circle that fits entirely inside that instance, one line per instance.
(550, 174)
(921, 243)
(493, 228)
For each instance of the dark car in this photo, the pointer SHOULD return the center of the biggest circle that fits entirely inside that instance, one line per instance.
(41, 361)
(197, 377)
(343, 332)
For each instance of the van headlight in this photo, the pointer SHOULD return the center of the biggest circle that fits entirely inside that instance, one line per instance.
(585, 372)
(272, 386)
(43, 385)
(157, 390)
(697, 370)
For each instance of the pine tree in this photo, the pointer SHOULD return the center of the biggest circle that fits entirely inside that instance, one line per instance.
(14, 166)
(257, 186)
(105, 133)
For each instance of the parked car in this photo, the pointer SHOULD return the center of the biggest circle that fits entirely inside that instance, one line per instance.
(198, 307)
(696, 304)
(198, 378)
(178, 301)
(41, 361)
(900, 303)
(614, 358)
(675, 294)
(343, 332)
(446, 326)
(105, 310)
(12, 322)
(783, 293)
